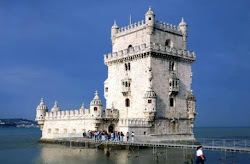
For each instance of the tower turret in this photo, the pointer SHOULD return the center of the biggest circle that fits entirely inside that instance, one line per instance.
(191, 106)
(150, 100)
(183, 28)
(114, 30)
(96, 106)
(191, 101)
(82, 109)
(55, 107)
(150, 20)
(40, 113)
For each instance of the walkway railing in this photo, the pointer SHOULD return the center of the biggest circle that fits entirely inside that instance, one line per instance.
(237, 145)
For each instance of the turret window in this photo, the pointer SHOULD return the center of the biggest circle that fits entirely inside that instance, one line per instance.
(106, 89)
(172, 66)
(127, 66)
(168, 43)
(171, 102)
(130, 48)
(127, 103)
(95, 108)
(149, 18)
(149, 101)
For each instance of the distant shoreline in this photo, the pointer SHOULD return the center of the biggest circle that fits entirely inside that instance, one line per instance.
(17, 123)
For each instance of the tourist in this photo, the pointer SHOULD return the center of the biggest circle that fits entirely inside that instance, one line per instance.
(112, 136)
(200, 158)
(116, 136)
(132, 136)
(100, 135)
(127, 136)
(121, 137)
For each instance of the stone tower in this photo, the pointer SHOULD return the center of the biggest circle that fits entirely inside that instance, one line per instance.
(149, 79)
(40, 113)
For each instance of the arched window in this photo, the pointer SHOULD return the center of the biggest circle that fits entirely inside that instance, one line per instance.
(172, 66)
(95, 108)
(171, 102)
(168, 43)
(130, 48)
(128, 66)
(127, 103)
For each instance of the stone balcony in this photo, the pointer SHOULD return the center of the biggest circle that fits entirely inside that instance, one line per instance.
(158, 50)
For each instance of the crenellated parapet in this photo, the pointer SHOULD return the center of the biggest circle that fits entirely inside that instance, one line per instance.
(66, 115)
(135, 122)
(168, 27)
(112, 113)
(130, 28)
(142, 25)
(138, 51)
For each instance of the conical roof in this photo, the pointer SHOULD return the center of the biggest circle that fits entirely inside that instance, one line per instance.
(55, 107)
(96, 100)
(42, 105)
(149, 12)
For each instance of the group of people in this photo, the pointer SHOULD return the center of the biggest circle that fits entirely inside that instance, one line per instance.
(118, 136)
(108, 136)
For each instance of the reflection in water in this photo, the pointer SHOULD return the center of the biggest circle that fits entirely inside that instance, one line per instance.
(65, 155)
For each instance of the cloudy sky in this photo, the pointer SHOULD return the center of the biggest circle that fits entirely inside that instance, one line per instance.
(54, 49)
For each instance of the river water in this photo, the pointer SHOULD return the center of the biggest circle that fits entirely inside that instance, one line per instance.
(19, 145)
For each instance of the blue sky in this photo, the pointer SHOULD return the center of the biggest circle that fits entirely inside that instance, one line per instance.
(54, 49)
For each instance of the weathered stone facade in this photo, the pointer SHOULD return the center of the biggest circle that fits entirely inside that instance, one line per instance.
(147, 90)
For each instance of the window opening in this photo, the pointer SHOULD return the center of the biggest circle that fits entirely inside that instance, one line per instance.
(127, 103)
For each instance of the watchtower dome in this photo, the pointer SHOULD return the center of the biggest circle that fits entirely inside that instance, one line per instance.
(40, 113)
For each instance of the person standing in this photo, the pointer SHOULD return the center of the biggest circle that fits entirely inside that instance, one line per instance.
(200, 158)
(132, 136)
(122, 135)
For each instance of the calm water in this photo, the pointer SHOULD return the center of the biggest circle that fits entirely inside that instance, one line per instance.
(19, 145)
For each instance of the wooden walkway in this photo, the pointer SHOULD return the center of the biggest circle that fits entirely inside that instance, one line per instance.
(242, 146)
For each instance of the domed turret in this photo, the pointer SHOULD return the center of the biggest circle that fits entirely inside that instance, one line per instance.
(183, 27)
(114, 30)
(40, 113)
(96, 106)
(82, 109)
(150, 104)
(55, 107)
(150, 19)
(191, 106)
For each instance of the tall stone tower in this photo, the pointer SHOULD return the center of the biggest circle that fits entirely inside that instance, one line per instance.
(149, 79)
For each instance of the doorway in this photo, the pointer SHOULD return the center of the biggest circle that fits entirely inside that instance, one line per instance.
(111, 128)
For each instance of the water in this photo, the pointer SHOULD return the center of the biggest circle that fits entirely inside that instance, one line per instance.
(19, 145)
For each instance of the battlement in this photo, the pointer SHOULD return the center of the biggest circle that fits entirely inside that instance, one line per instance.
(153, 47)
(141, 25)
(167, 27)
(131, 28)
(66, 114)
(111, 113)
(135, 122)
(76, 114)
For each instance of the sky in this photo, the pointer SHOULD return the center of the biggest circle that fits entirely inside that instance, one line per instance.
(53, 49)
